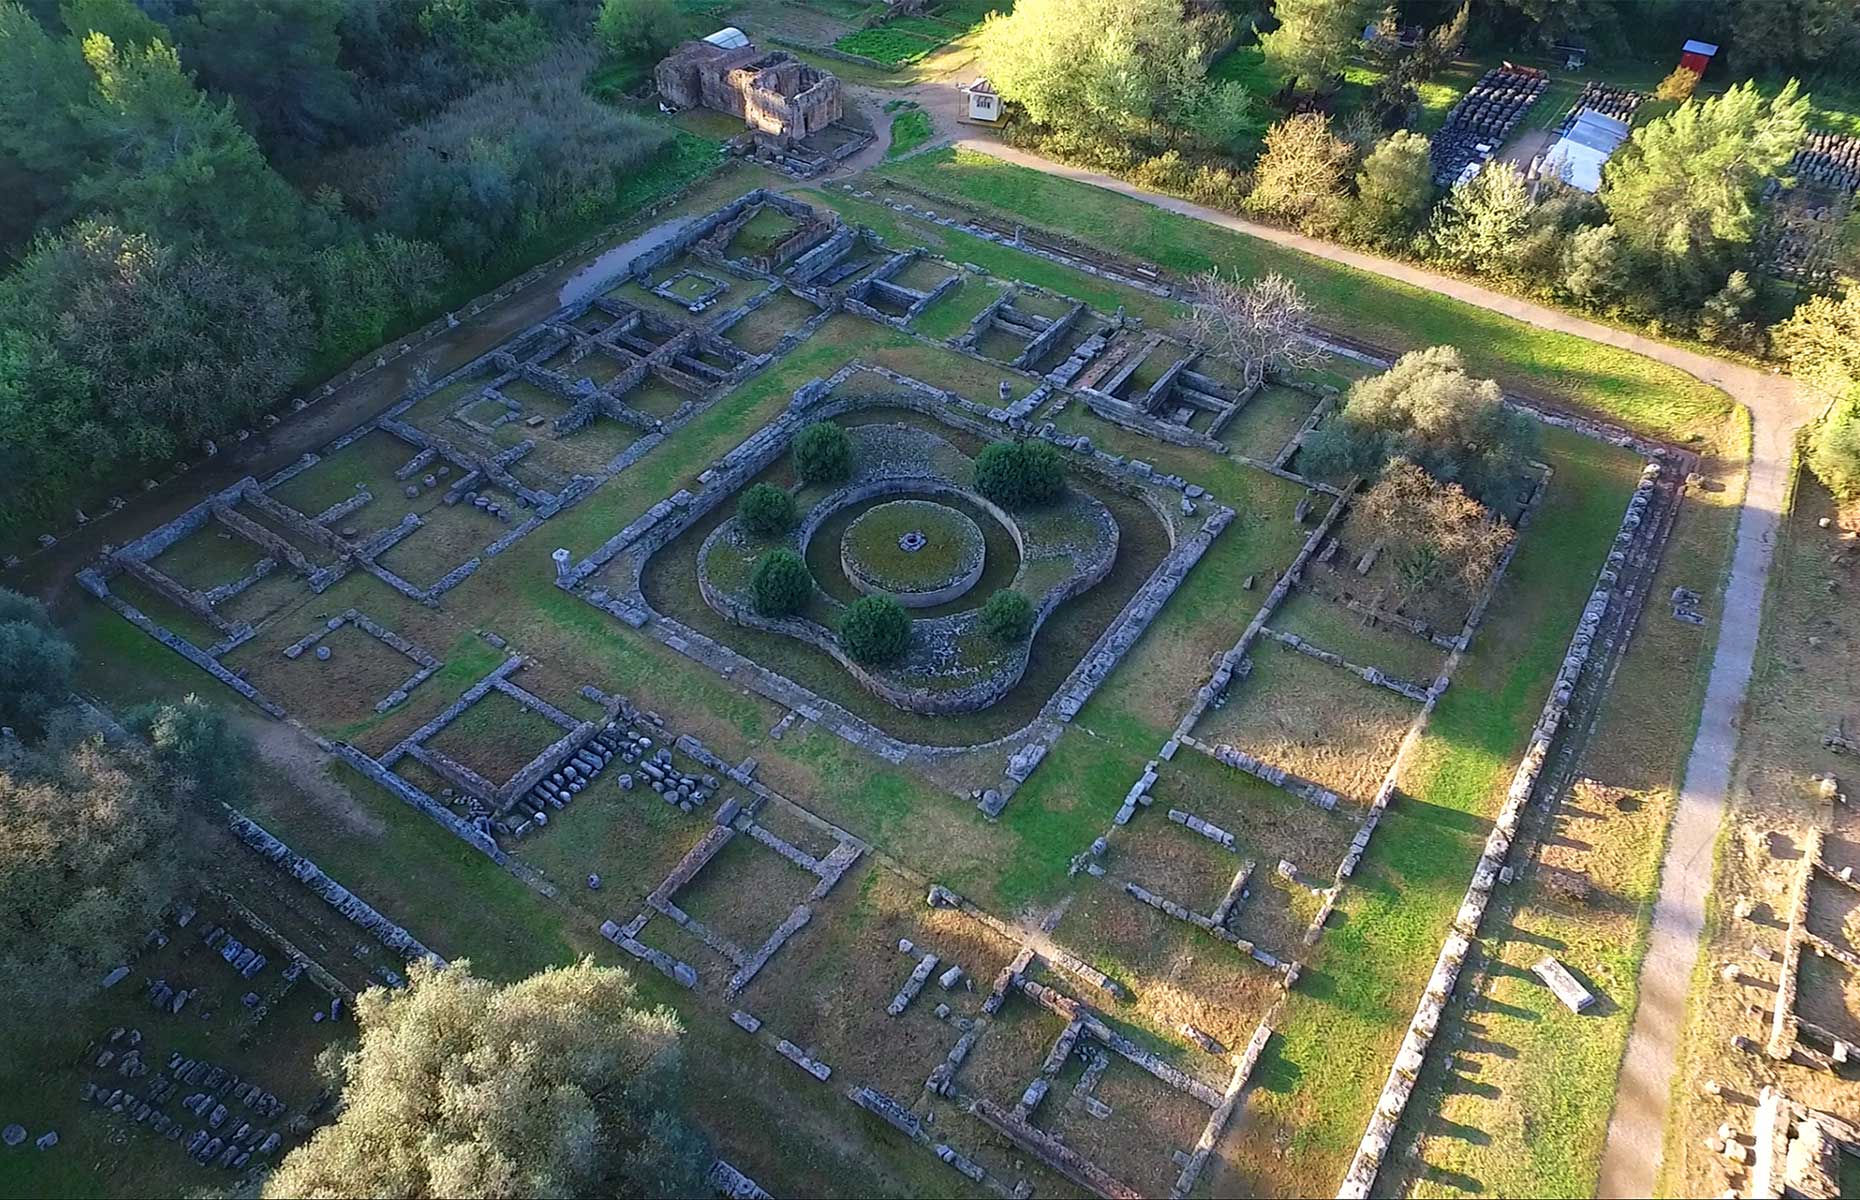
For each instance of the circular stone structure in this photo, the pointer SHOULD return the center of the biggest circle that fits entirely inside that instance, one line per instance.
(918, 552)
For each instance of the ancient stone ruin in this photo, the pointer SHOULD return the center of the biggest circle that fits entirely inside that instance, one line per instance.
(782, 101)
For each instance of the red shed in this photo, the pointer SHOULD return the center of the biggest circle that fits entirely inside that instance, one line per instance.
(1697, 56)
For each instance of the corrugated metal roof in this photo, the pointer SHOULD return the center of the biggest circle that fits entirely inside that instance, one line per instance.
(729, 37)
(1578, 155)
(1598, 131)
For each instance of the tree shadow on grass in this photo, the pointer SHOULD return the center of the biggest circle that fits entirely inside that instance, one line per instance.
(1458, 1180)
(1460, 1085)
(1483, 1045)
(1458, 1131)
(1487, 1004)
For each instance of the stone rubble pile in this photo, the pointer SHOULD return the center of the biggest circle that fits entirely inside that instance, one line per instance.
(236, 1118)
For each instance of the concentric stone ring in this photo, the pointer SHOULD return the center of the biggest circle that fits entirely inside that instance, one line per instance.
(919, 552)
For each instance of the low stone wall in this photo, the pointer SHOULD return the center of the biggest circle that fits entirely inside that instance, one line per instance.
(922, 700)
(1230, 661)
(1405, 1073)
(351, 906)
(472, 836)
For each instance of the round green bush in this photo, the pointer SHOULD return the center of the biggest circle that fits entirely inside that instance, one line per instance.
(1008, 616)
(1016, 474)
(874, 629)
(780, 584)
(822, 453)
(766, 509)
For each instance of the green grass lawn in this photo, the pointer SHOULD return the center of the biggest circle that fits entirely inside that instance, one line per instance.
(1003, 262)
(951, 314)
(886, 44)
(909, 130)
(1621, 386)
(1341, 1025)
(1529, 1113)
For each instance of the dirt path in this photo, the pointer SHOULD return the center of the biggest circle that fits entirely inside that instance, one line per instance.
(1631, 1158)
(1636, 1134)
(284, 748)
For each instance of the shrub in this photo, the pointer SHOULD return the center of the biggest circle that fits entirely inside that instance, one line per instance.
(1304, 162)
(1678, 86)
(909, 130)
(875, 629)
(1834, 452)
(637, 28)
(822, 453)
(1016, 474)
(780, 584)
(766, 509)
(1008, 616)
(27, 609)
(35, 671)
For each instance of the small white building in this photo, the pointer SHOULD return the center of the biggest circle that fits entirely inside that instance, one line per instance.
(984, 102)
(1577, 157)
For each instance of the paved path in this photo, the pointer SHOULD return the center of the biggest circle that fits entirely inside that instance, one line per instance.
(1631, 1158)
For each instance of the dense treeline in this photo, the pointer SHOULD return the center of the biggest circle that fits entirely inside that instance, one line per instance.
(1669, 241)
(1672, 241)
(205, 201)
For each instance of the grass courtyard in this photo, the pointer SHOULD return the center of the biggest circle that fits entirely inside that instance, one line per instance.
(1335, 1030)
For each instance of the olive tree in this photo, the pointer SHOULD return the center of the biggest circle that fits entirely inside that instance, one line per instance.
(90, 854)
(35, 661)
(1427, 410)
(555, 1085)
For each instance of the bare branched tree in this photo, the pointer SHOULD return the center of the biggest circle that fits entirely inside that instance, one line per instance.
(1261, 325)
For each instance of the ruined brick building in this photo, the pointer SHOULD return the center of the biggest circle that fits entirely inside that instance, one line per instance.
(780, 98)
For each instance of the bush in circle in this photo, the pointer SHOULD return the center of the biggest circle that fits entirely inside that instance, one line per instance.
(1008, 616)
(1016, 474)
(874, 629)
(780, 584)
(822, 453)
(766, 509)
